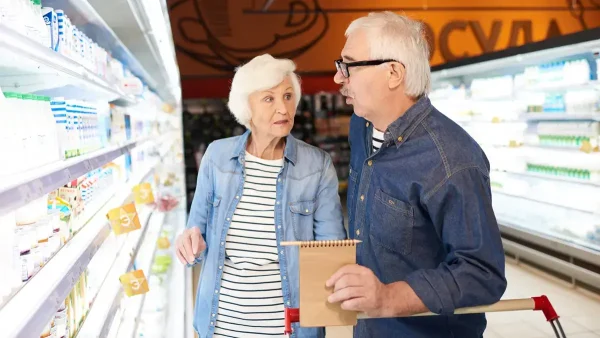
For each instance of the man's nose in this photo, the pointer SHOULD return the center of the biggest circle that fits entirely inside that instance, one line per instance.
(339, 78)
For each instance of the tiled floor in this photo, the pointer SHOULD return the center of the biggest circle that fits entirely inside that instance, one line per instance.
(580, 313)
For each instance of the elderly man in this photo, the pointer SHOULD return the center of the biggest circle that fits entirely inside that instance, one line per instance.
(419, 194)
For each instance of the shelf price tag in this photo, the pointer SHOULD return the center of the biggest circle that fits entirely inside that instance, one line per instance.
(134, 283)
(143, 193)
(124, 219)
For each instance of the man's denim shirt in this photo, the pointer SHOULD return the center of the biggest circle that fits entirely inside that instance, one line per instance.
(307, 208)
(422, 206)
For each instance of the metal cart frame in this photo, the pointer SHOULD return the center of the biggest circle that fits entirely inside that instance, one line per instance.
(541, 303)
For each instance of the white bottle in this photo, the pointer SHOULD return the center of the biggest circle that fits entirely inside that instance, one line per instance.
(59, 112)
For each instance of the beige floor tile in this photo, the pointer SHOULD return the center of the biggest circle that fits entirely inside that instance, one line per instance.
(518, 330)
(585, 335)
(568, 325)
(490, 334)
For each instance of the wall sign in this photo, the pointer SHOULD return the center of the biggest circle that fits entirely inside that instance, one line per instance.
(214, 37)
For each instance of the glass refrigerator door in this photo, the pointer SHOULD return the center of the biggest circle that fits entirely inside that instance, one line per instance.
(537, 117)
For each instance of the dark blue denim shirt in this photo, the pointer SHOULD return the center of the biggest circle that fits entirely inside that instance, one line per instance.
(422, 206)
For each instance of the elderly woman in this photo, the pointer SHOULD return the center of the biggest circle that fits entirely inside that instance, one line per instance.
(255, 191)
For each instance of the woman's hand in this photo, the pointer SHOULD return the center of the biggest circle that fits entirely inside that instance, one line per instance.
(189, 245)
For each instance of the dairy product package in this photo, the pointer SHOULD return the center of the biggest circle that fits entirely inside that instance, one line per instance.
(62, 32)
(51, 20)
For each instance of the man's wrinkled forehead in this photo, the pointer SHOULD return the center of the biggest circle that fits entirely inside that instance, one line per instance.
(356, 47)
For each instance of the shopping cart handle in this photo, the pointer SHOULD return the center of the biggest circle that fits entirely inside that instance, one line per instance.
(541, 303)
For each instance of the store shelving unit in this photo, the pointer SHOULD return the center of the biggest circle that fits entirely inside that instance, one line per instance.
(28, 67)
(38, 300)
(546, 196)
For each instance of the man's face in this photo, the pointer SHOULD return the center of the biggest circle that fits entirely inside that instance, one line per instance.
(366, 87)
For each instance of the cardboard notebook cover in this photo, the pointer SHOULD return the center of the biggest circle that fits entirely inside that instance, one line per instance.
(317, 265)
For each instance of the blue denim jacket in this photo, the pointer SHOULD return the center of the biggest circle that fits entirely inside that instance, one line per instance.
(422, 206)
(307, 208)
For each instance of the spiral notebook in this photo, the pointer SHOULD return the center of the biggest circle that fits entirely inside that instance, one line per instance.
(319, 260)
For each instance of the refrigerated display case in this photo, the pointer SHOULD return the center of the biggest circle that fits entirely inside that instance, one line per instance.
(83, 123)
(535, 111)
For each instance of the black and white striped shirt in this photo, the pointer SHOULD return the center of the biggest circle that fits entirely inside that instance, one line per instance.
(251, 299)
(377, 140)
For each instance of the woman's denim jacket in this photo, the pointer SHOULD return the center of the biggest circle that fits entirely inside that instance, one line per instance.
(307, 208)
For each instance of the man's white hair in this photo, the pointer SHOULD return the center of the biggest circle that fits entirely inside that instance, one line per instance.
(261, 73)
(398, 37)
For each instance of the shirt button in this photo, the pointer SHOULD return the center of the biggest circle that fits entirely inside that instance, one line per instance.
(281, 252)
(277, 202)
(306, 210)
(222, 243)
(357, 232)
(279, 180)
(214, 315)
(220, 268)
(237, 197)
(288, 303)
(279, 227)
(229, 219)
(212, 323)
(370, 163)
(284, 277)
(216, 291)
(362, 197)
(367, 124)
(400, 139)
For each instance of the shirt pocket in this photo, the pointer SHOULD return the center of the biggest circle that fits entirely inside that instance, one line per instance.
(392, 223)
(213, 203)
(303, 220)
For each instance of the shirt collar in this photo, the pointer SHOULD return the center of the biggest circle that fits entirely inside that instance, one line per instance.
(400, 130)
(289, 153)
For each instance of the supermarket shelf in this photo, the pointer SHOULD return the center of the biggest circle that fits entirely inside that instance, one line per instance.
(143, 261)
(27, 66)
(177, 289)
(33, 306)
(549, 260)
(99, 319)
(558, 87)
(19, 189)
(87, 19)
(496, 191)
(561, 244)
(532, 117)
(551, 178)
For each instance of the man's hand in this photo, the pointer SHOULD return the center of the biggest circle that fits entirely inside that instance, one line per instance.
(358, 289)
(189, 245)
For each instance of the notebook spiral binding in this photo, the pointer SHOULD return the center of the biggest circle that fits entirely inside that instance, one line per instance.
(331, 243)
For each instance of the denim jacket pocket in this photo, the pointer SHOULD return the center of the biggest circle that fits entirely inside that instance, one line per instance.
(392, 223)
(213, 203)
(302, 219)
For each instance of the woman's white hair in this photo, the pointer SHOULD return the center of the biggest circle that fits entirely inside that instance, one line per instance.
(261, 73)
(398, 37)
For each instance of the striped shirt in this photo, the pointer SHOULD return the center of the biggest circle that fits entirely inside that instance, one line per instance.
(377, 140)
(251, 299)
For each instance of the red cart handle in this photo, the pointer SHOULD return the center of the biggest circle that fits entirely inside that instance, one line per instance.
(542, 303)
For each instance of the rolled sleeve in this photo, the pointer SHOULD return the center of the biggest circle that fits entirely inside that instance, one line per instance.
(473, 272)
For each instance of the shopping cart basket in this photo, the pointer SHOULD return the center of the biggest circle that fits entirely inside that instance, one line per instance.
(542, 303)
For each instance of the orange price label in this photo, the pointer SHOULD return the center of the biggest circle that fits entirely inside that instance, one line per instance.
(143, 193)
(134, 283)
(124, 219)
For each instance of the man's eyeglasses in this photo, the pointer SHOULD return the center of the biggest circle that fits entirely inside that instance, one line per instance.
(342, 66)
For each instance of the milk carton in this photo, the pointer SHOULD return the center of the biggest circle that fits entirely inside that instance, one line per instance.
(51, 20)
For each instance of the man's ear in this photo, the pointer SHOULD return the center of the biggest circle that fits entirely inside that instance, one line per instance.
(395, 74)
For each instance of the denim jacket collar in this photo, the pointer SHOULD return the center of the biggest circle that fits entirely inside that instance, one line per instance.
(399, 131)
(289, 153)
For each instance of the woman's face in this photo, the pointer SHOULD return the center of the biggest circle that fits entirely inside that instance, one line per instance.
(273, 110)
